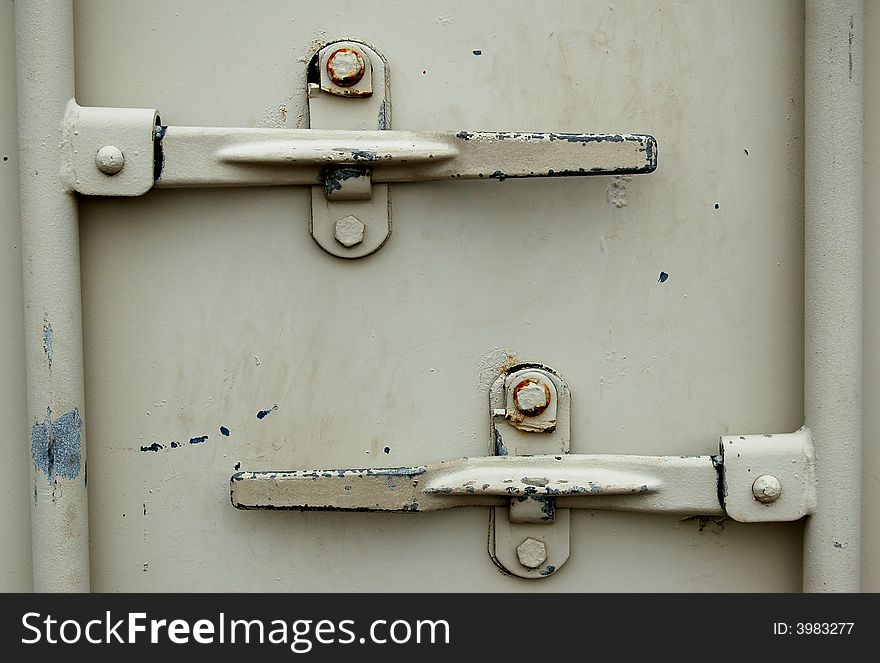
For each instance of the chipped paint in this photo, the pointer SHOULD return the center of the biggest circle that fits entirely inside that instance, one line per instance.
(492, 364)
(364, 155)
(334, 178)
(224, 431)
(382, 121)
(274, 117)
(48, 340)
(616, 192)
(198, 440)
(56, 445)
(500, 449)
(718, 464)
(663, 277)
(262, 414)
(158, 151)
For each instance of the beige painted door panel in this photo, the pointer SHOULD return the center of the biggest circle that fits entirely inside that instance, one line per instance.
(203, 308)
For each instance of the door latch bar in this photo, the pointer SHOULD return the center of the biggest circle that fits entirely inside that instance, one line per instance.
(753, 478)
(349, 155)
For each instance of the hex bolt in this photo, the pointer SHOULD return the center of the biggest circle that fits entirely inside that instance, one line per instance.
(346, 67)
(766, 489)
(531, 553)
(349, 231)
(109, 159)
(531, 397)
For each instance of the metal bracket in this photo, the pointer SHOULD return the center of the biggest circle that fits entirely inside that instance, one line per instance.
(351, 216)
(531, 415)
(530, 480)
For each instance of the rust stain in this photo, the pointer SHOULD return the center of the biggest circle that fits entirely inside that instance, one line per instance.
(346, 67)
(533, 410)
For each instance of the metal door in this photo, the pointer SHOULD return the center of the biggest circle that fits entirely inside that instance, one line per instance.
(218, 336)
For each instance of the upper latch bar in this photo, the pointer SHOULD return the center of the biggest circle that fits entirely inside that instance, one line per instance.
(224, 156)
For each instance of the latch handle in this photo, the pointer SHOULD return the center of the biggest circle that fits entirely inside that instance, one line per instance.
(321, 147)
(655, 484)
(208, 156)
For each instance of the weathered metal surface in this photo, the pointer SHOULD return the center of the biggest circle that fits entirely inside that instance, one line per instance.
(183, 289)
(784, 464)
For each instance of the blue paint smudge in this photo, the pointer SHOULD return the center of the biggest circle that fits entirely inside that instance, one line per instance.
(67, 430)
(387, 450)
(478, 52)
(48, 339)
(663, 277)
(224, 430)
(262, 414)
(153, 447)
(174, 445)
(198, 440)
(56, 445)
(40, 446)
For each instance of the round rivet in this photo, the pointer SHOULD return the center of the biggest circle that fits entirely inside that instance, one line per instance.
(766, 489)
(109, 160)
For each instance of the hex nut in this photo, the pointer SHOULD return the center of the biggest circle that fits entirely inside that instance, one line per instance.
(109, 159)
(346, 67)
(349, 231)
(531, 553)
(766, 489)
(531, 397)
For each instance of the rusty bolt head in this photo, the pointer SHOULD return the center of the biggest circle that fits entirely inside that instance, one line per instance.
(531, 553)
(349, 231)
(109, 160)
(531, 397)
(346, 67)
(766, 489)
